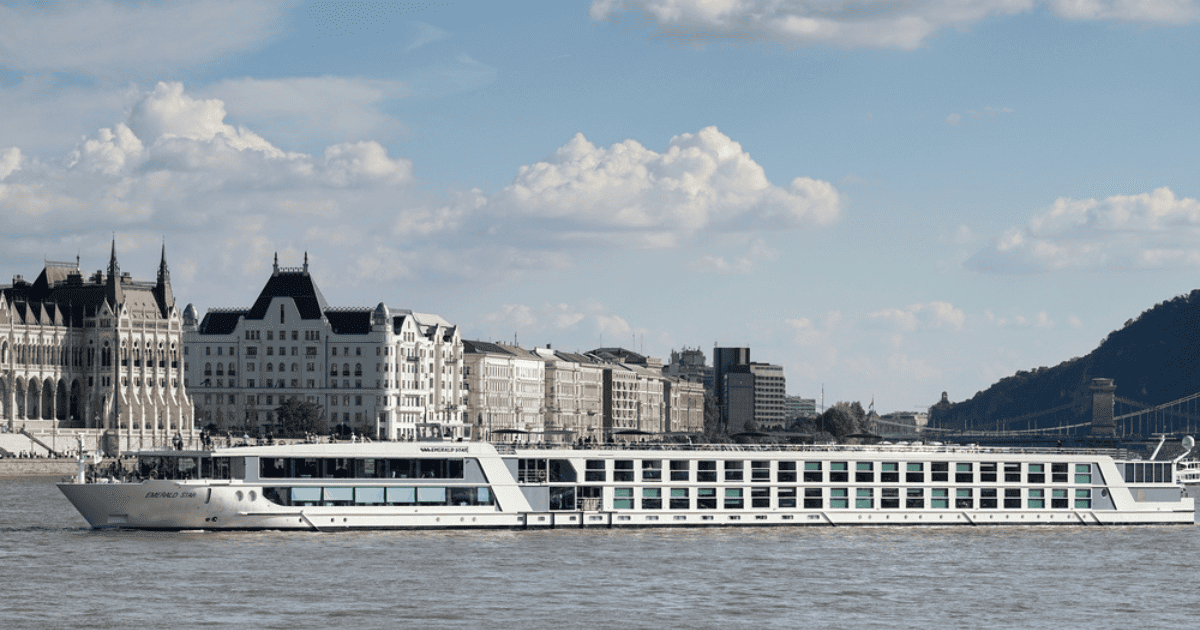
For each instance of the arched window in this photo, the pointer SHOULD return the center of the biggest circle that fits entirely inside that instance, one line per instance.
(208, 369)
(220, 369)
(295, 367)
(333, 369)
(358, 369)
(270, 367)
(282, 367)
(345, 369)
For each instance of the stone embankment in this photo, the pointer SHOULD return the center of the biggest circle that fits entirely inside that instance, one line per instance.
(36, 467)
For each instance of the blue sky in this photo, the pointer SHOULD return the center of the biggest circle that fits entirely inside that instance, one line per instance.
(889, 198)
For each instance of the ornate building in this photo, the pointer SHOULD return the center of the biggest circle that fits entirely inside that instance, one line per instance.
(101, 353)
(391, 374)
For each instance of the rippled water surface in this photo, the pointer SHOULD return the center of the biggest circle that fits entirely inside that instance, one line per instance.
(57, 573)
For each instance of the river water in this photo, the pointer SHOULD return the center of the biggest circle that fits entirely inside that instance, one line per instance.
(57, 573)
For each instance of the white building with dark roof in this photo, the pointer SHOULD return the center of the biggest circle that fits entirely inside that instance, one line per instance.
(388, 373)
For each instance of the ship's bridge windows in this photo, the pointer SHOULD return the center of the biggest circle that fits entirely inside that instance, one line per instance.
(864, 472)
(760, 470)
(939, 471)
(680, 499)
(1083, 473)
(988, 499)
(786, 472)
(889, 472)
(963, 499)
(651, 470)
(680, 470)
(1058, 472)
(706, 498)
(1035, 473)
(889, 498)
(1012, 472)
(914, 472)
(914, 498)
(839, 472)
(1036, 498)
(623, 471)
(1058, 498)
(733, 469)
(987, 472)
(812, 472)
(706, 471)
(963, 473)
(839, 498)
(939, 498)
(864, 498)
(1149, 472)
(651, 498)
(622, 498)
(594, 470)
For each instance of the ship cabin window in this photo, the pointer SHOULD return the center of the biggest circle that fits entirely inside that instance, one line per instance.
(890, 472)
(760, 470)
(864, 498)
(679, 470)
(939, 471)
(963, 474)
(532, 471)
(812, 498)
(987, 472)
(914, 473)
(963, 499)
(623, 470)
(1148, 472)
(651, 498)
(622, 498)
(588, 498)
(939, 498)
(787, 472)
(889, 498)
(1058, 472)
(733, 470)
(812, 472)
(1036, 498)
(679, 499)
(839, 472)
(987, 499)
(706, 471)
(651, 470)
(1012, 498)
(734, 499)
(864, 472)
(760, 497)
(173, 467)
(914, 499)
(706, 498)
(1058, 499)
(1083, 499)
(786, 497)
(369, 468)
(1083, 473)
(1036, 473)
(214, 467)
(594, 470)
(839, 498)
(562, 498)
(1012, 472)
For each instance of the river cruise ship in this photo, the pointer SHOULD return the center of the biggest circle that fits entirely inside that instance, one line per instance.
(420, 485)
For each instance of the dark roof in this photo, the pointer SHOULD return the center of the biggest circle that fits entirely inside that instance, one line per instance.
(220, 323)
(343, 322)
(483, 347)
(297, 285)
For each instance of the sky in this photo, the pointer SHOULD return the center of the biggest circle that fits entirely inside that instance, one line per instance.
(889, 198)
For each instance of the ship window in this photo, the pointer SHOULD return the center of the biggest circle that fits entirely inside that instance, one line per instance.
(787, 472)
(1083, 499)
(915, 473)
(1058, 472)
(562, 471)
(706, 498)
(338, 496)
(733, 499)
(939, 498)
(679, 470)
(368, 496)
(651, 498)
(812, 498)
(987, 472)
(838, 472)
(987, 498)
(594, 470)
(939, 471)
(812, 472)
(838, 498)
(889, 472)
(622, 498)
(963, 474)
(760, 497)
(273, 467)
(679, 499)
(531, 471)
(963, 499)
(401, 496)
(651, 470)
(623, 470)
(431, 495)
(864, 472)
(1012, 472)
(864, 498)
(914, 499)
(706, 470)
(760, 471)
(1036, 473)
(1083, 473)
(562, 498)
(889, 498)
(1058, 499)
(306, 496)
(1012, 498)
(733, 470)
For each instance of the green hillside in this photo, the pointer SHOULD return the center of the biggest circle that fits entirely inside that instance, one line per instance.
(1153, 359)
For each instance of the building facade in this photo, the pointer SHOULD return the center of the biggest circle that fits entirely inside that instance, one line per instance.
(101, 353)
(391, 374)
(770, 393)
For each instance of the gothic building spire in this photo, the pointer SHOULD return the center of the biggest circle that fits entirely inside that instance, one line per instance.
(162, 288)
(115, 293)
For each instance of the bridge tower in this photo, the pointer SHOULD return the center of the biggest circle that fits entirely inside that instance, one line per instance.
(1102, 408)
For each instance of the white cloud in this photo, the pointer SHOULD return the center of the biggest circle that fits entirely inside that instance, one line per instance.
(758, 252)
(10, 162)
(630, 195)
(1150, 11)
(929, 316)
(863, 23)
(1146, 231)
(954, 120)
(124, 39)
(1038, 320)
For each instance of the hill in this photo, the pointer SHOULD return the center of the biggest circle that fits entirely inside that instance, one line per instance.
(1153, 359)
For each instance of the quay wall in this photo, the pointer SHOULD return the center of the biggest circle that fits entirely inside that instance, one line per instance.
(20, 467)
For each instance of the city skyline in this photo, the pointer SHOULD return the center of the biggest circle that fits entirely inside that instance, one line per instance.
(890, 201)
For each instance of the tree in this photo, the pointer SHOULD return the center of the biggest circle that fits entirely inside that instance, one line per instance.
(712, 417)
(298, 418)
